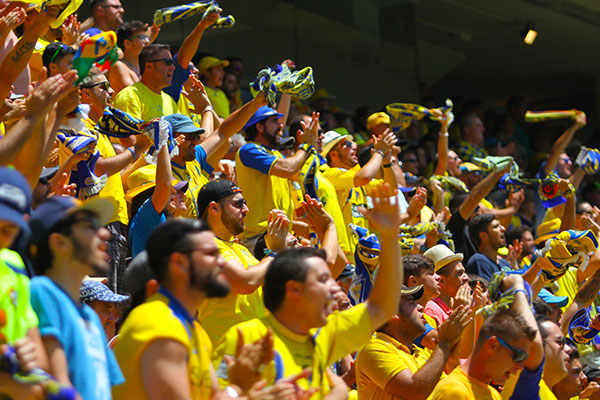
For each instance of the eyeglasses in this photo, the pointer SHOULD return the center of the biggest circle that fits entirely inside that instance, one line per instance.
(518, 355)
(561, 341)
(168, 61)
(192, 137)
(105, 86)
(115, 6)
(239, 204)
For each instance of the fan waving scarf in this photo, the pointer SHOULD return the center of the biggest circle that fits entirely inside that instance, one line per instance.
(300, 84)
(68, 7)
(547, 188)
(402, 114)
(170, 14)
(540, 116)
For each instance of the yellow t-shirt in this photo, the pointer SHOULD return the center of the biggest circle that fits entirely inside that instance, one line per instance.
(343, 333)
(328, 196)
(349, 197)
(218, 315)
(459, 386)
(196, 176)
(219, 101)
(184, 106)
(161, 317)
(262, 190)
(140, 102)
(545, 392)
(378, 362)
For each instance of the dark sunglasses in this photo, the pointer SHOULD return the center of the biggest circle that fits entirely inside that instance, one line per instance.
(105, 86)
(561, 341)
(168, 61)
(518, 355)
(239, 204)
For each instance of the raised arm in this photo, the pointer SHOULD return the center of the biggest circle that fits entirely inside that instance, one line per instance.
(382, 146)
(442, 148)
(164, 178)
(562, 142)
(384, 219)
(480, 190)
(191, 41)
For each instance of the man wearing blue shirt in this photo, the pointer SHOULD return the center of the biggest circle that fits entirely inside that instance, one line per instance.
(68, 243)
(487, 233)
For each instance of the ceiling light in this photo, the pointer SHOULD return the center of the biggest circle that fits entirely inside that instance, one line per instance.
(529, 33)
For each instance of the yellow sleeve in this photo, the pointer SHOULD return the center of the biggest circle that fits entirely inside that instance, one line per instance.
(341, 179)
(128, 101)
(379, 363)
(345, 332)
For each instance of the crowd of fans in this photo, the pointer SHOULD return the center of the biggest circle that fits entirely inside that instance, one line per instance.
(278, 251)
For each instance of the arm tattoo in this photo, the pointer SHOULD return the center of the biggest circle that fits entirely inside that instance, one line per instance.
(24, 49)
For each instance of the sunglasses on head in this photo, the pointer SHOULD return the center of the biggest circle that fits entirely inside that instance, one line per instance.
(518, 355)
(168, 61)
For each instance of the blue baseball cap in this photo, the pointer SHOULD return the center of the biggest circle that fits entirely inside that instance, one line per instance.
(53, 210)
(262, 113)
(15, 197)
(549, 298)
(91, 290)
(182, 124)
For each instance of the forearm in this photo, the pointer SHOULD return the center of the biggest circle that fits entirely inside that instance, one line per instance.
(288, 167)
(480, 190)
(141, 161)
(425, 379)
(398, 173)
(442, 149)
(369, 171)
(467, 340)
(329, 243)
(16, 137)
(114, 164)
(576, 178)
(385, 294)
(236, 121)
(568, 218)
(390, 178)
(558, 147)
(536, 350)
(246, 281)
(284, 107)
(190, 46)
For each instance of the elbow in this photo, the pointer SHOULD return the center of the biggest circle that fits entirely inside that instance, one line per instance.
(361, 181)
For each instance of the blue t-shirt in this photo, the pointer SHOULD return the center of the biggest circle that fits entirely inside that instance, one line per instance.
(180, 76)
(528, 384)
(481, 265)
(142, 225)
(93, 368)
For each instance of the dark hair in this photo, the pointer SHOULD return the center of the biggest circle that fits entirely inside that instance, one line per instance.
(288, 265)
(515, 233)
(365, 155)
(468, 120)
(541, 308)
(505, 323)
(126, 30)
(479, 224)
(260, 246)
(140, 199)
(95, 4)
(574, 354)
(415, 264)
(251, 132)
(457, 200)
(168, 238)
(295, 124)
(41, 255)
(474, 278)
(55, 52)
(149, 52)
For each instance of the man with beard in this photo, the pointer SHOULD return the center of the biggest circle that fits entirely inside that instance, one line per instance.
(107, 14)
(388, 367)
(487, 234)
(223, 206)
(264, 173)
(198, 155)
(68, 243)
(163, 350)
(299, 292)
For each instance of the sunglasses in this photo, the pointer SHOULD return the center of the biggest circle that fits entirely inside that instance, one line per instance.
(105, 86)
(168, 61)
(141, 36)
(561, 341)
(518, 355)
(239, 204)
